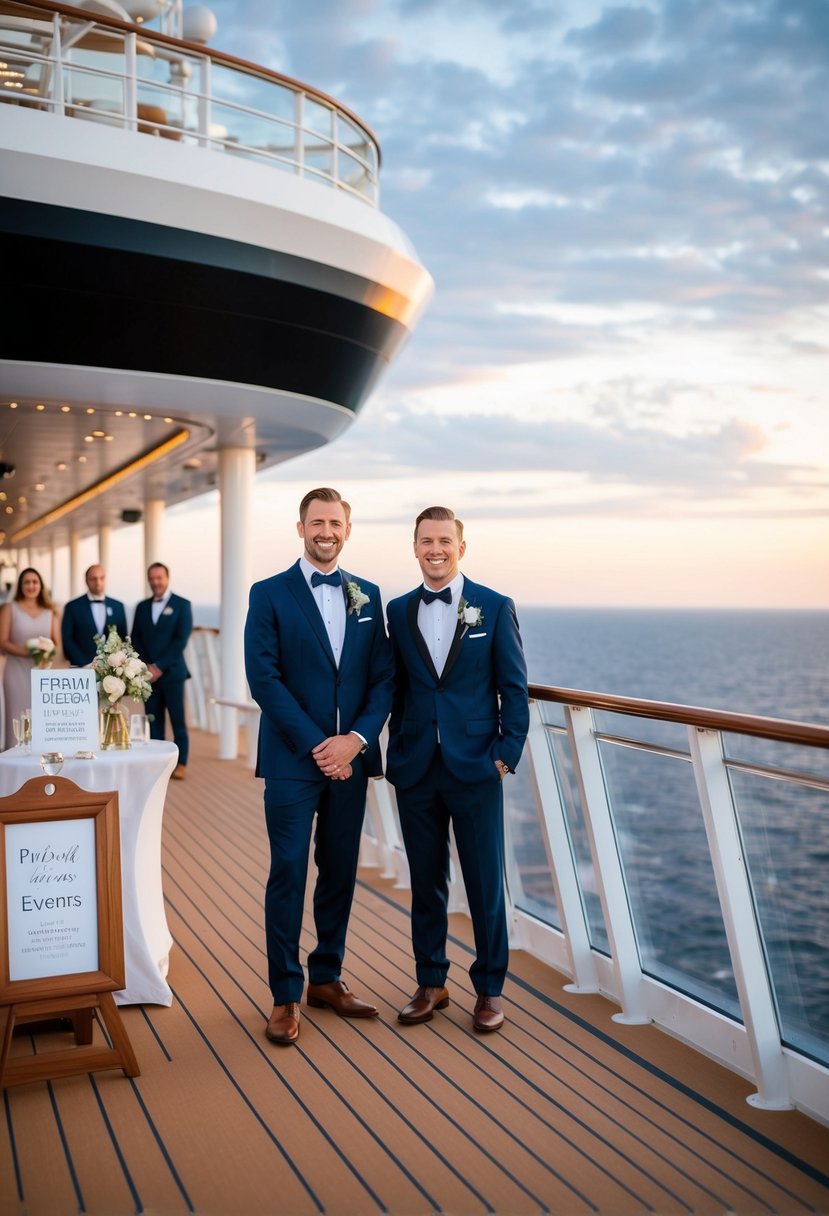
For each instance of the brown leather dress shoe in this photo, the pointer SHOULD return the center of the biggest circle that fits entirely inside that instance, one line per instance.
(423, 1004)
(283, 1024)
(488, 1014)
(179, 773)
(337, 997)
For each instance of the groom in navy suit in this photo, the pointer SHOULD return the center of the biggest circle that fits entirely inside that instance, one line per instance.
(89, 615)
(160, 632)
(458, 725)
(318, 664)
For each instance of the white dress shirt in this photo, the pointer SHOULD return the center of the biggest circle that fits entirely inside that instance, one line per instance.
(437, 622)
(159, 605)
(99, 612)
(331, 603)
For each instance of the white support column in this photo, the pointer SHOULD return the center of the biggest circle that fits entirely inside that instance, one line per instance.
(104, 538)
(560, 858)
(153, 531)
(53, 565)
(75, 579)
(236, 471)
(607, 864)
(741, 927)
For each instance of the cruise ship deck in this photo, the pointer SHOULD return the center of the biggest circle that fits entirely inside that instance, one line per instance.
(565, 1111)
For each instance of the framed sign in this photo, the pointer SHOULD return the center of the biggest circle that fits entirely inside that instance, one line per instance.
(61, 924)
(64, 710)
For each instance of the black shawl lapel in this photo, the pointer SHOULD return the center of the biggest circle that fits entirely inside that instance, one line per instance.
(417, 636)
(305, 600)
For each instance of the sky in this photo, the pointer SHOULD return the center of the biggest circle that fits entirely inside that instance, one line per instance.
(620, 384)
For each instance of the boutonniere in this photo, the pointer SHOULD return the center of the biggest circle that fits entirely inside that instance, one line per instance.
(357, 598)
(469, 616)
(167, 612)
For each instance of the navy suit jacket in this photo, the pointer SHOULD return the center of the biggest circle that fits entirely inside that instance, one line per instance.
(164, 642)
(304, 697)
(78, 628)
(479, 703)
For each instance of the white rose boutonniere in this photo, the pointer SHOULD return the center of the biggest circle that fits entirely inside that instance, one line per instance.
(41, 651)
(469, 616)
(357, 598)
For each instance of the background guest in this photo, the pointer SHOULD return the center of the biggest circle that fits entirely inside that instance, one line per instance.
(160, 632)
(89, 615)
(30, 614)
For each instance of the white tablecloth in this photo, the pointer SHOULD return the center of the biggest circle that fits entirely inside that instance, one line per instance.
(140, 776)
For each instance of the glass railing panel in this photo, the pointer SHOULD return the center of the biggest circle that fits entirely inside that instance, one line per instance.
(353, 174)
(785, 835)
(318, 117)
(93, 95)
(319, 159)
(252, 92)
(579, 840)
(748, 749)
(254, 134)
(529, 877)
(650, 731)
(668, 874)
(552, 714)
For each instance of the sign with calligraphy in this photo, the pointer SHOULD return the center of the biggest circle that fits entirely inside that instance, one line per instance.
(61, 921)
(64, 710)
(52, 898)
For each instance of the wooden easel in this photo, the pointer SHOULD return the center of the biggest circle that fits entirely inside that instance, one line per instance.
(84, 996)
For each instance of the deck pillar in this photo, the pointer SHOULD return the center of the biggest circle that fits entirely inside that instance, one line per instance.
(236, 471)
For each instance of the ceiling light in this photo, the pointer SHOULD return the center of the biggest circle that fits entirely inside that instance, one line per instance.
(64, 409)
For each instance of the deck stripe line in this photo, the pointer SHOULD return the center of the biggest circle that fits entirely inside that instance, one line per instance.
(248, 1101)
(18, 1177)
(67, 1152)
(706, 1103)
(162, 1147)
(139, 1206)
(309, 1061)
(154, 1032)
(344, 1102)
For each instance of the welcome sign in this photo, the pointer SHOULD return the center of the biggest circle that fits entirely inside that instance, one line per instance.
(51, 898)
(64, 710)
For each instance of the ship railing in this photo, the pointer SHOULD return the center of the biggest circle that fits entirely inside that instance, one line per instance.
(100, 69)
(672, 858)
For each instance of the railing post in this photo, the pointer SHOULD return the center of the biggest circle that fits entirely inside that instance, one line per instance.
(130, 83)
(57, 71)
(299, 133)
(741, 928)
(607, 864)
(560, 857)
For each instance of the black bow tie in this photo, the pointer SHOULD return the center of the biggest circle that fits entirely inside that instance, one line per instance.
(95, 601)
(428, 596)
(333, 580)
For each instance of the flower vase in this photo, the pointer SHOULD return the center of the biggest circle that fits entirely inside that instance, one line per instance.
(114, 730)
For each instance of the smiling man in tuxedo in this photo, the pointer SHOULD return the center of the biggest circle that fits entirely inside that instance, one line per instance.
(458, 725)
(89, 615)
(318, 664)
(160, 632)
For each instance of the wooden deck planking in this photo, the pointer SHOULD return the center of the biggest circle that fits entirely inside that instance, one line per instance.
(564, 1111)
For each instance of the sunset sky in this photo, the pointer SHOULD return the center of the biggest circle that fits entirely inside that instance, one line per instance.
(620, 384)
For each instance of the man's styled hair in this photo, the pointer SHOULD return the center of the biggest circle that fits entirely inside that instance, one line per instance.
(159, 566)
(439, 513)
(324, 494)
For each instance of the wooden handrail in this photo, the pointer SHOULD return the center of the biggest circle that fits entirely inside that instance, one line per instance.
(779, 729)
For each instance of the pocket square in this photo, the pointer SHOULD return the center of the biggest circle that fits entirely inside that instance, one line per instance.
(362, 620)
(477, 635)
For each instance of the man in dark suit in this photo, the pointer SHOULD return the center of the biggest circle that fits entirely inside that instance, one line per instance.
(318, 665)
(89, 615)
(458, 725)
(160, 632)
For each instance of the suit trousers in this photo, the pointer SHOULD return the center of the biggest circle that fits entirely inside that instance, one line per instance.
(168, 696)
(476, 812)
(290, 807)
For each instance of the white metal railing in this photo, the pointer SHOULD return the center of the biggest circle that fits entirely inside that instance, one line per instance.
(57, 59)
(604, 780)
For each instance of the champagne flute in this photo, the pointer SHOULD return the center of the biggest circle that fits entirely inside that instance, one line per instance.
(17, 727)
(26, 719)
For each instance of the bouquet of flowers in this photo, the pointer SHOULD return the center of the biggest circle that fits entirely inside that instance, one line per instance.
(41, 651)
(119, 671)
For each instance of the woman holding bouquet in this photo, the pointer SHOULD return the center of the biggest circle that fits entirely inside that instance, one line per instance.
(30, 618)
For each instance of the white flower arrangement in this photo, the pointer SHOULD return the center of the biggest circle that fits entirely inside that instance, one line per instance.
(41, 651)
(469, 616)
(357, 598)
(119, 671)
